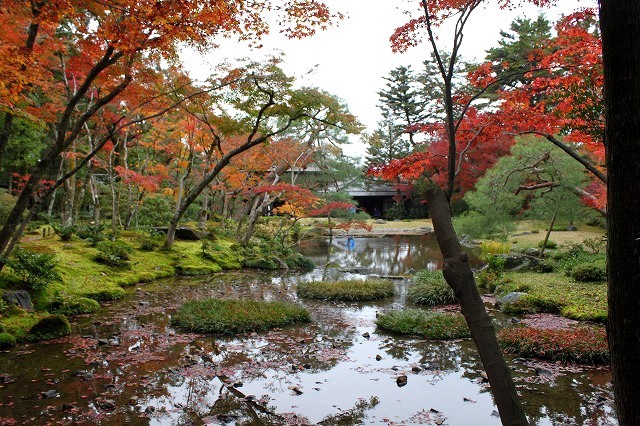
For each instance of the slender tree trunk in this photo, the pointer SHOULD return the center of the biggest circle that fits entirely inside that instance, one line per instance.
(548, 234)
(95, 199)
(203, 214)
(458, 275)
(620, 26)
(5, 134)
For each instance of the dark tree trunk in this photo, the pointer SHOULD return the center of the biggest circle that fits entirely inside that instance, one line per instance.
(620, 26)
(460, 278)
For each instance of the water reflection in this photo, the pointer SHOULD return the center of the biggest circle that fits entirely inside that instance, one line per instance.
(390, 255)
(128, 365)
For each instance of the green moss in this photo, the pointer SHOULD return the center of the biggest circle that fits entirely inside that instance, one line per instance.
(298, 261)
(237, 316)
(75, 306)
(7, 341)
(20, 322)
(50, 327)
(430, 324)
(430, 289)
(555, 292)
(346, 290)
(268, 263)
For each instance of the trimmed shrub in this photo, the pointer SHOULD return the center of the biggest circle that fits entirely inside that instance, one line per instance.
(50, 327)
(114, 253)
(298, 261)
(37, 270)
(346, 290)
(237, 316)
(430, 289)
(430, 324)
(586, 345)
(91, 233)
(550, 244)
(64, 232)
(7, 341)
(588, 272)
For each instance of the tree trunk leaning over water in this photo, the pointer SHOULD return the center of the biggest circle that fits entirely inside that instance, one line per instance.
(458, 275)
(620, 27)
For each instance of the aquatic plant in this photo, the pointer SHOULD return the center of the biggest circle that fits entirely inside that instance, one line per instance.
(237, 316)
(430, 289)
(433, 325)
(346, 290)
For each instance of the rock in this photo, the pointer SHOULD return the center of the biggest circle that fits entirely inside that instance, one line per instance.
(150, 409)
(380, 221)
(518, 262)
(416, 369)
(296, 390)
(511, 298)
(133, 400)
(438, 421)
(183, 233)
(531, 251)
(366, 335)
(237, 384)
(68, 407)
(20, 298)
(401, 381)
(49, 394)
(411, 271)
(572, 228)
(107, 404)
(103, 342)
(143, 303)
(378, 357)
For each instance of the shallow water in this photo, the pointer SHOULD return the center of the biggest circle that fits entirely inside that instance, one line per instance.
(127, 365)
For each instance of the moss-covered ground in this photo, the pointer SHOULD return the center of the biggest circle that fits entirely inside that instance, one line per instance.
(83, 277)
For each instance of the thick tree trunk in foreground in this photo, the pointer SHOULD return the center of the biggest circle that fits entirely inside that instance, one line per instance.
(460, 278)
(620, 26)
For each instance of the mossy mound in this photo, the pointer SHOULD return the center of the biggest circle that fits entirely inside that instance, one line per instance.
(76, 306)
(430, 324)
(346, 290)
(430, 289)
(237, 316)
(7, 341)
(50, 327)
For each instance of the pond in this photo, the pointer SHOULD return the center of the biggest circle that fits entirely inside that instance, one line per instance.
(127, 365)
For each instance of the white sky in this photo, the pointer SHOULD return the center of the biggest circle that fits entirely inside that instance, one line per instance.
(350, 60)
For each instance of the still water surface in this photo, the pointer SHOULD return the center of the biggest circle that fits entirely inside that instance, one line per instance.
(127, 365)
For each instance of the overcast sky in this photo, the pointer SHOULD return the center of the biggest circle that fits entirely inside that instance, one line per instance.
(350, 60)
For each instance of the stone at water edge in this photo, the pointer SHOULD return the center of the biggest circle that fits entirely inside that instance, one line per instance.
(20, 298)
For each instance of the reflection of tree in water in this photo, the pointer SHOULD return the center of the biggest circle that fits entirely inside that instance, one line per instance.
(389, 255)
(433, 355)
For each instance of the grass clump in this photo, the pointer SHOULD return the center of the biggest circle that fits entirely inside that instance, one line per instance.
(237, 316)
(7, 341)
(50, 327)
(346, 290)
(430, 324)
(430, 289)
(584, 345)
